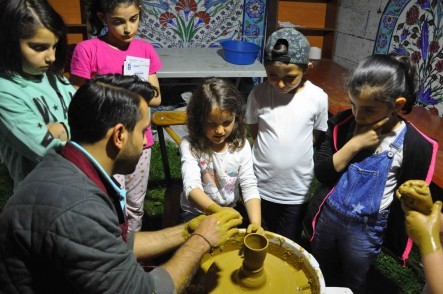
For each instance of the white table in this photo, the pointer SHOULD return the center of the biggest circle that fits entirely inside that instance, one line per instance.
(202, 63)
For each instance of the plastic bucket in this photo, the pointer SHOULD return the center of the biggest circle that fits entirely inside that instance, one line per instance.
(239, 52)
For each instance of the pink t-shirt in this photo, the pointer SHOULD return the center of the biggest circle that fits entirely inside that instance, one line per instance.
(94, 56)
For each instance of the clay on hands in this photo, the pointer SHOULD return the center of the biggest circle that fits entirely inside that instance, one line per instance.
(252, 228)
(425, 229)
(192, 225)
(255, 228)
(213, 208)
(228, 220)
(415, 194)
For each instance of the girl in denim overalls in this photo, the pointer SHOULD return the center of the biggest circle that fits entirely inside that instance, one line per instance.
(368, 152)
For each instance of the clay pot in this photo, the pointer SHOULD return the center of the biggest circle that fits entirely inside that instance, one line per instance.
(251, 274)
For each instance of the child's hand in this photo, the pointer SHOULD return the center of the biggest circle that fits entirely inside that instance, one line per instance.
(255, 228)
(367, 136)
(424, 229)
(213, 208)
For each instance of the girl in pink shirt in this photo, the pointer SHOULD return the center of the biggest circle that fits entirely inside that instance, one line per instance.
(115, 23)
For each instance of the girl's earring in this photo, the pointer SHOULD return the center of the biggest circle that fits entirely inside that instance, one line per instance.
(104, 31)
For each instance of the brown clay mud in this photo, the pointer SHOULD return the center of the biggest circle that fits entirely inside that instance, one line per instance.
(285, 271)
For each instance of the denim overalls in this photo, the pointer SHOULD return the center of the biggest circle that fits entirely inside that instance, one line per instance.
(349, 231)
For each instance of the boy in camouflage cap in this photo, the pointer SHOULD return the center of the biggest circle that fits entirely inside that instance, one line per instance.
(286, 114)
(297, 47)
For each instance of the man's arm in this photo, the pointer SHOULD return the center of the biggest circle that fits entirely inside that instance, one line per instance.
(212, 231)
(151, 244)
(185, 262)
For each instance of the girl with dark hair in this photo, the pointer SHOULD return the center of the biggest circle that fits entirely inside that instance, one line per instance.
(216, 158)
(368, 152)
(34, 95)
(115, 23)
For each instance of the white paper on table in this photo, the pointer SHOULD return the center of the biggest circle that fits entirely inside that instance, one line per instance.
(137, 66)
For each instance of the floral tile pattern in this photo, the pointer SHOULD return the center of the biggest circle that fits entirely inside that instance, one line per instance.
(202, 23)
(415, 28)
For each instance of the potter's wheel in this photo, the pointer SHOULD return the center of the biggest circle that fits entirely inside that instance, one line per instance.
(287, 266)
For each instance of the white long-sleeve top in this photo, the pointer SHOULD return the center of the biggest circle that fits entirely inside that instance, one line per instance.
(218, 175)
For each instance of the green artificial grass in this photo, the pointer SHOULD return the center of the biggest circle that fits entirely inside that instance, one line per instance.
(157, 184)
(386, 276)
(389, 276)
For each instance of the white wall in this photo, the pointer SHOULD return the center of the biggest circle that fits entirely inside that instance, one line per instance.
(357, 25)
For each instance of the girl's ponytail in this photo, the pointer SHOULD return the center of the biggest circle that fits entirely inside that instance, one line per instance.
(411, 79)
(95, 23)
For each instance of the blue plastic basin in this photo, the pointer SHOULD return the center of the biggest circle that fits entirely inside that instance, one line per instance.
(239, 52)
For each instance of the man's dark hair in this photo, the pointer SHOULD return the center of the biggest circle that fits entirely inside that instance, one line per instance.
(105, 101)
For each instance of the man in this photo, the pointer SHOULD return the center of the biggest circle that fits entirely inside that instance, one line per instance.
(59, 233)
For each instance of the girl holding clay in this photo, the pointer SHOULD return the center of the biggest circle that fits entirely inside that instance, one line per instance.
(216, 158)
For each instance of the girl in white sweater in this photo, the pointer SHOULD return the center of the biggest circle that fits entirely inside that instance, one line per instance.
(216, 158)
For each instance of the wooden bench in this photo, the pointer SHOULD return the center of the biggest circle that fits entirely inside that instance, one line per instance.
(164, 120)
(332, 77)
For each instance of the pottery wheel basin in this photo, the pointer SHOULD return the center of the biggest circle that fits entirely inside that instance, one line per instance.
(288, 268)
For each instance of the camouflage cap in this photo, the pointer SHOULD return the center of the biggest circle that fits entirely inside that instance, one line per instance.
(298, 46)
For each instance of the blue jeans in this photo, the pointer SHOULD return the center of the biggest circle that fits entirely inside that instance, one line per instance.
(345, 247)
(283, 219)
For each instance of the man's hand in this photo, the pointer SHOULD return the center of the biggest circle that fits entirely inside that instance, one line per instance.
(425, 229)
(211, 231)
(192, 225)
(220, 226)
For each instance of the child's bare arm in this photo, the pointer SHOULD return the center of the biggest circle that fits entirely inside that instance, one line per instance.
(200, 198)
(433, 265)
(58, 131)
(253, 208)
